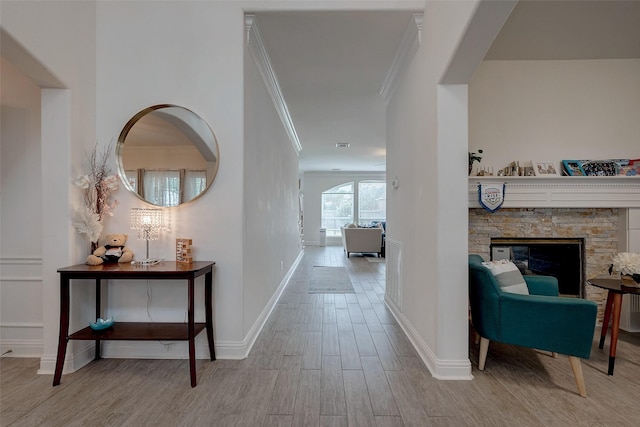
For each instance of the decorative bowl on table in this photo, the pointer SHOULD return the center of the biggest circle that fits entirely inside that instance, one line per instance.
(101, 324)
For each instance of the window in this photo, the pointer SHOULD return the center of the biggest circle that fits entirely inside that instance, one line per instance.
(337, 208)
(372, 201)
(340, 202)
(167, 187)
(195, 182)
(162, 188)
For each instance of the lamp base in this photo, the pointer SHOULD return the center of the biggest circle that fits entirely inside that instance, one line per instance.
(148, 261)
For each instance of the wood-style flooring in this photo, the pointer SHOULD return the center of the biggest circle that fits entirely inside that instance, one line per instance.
(329, 360)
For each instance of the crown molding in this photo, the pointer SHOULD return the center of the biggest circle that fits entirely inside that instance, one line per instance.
(263, 62)
(411, 42)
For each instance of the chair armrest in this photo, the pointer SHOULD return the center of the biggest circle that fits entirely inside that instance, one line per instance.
(542, 285)
(562, 325)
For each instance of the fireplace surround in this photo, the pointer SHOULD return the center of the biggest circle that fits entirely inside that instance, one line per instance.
(592, 208)
(597, 227)
(562, 258)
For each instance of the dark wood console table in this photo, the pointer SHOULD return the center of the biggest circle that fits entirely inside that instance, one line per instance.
(129, 331)
(615, 289)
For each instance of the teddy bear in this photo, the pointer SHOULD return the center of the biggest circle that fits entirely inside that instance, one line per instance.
(113, 251)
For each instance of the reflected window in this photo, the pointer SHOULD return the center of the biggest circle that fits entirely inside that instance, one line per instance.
(167, 187)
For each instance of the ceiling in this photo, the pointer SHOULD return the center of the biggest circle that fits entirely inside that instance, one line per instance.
(552, 30)
(332, 65)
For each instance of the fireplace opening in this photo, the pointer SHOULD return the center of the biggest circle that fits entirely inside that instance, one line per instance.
(562, 258)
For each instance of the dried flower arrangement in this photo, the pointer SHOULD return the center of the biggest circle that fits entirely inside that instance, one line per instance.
(98, 186)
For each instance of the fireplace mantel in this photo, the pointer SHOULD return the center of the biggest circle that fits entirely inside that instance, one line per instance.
(563, 192)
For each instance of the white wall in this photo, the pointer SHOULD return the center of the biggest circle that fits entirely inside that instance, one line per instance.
(64, 56)
(313, 184)
(426, 151)
(555, 110)
(20, 214)
(271, 235)
(112, 68)
(195, 61)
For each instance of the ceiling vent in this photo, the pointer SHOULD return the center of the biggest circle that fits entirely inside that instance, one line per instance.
(343, 145)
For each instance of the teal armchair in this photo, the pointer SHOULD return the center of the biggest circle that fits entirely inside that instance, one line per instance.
(541, 320)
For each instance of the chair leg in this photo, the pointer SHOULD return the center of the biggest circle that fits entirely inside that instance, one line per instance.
(576, 367)
(548, 353)
(484, 348)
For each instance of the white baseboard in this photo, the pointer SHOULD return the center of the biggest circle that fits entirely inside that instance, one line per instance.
(440, 369)
(257, 326)
(72, 362)
(21, 348)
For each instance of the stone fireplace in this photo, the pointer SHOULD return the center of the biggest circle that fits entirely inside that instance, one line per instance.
(595, 209)
(560, 257)
(599, 227)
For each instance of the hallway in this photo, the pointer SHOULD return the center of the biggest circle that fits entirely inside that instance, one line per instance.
(328, 360)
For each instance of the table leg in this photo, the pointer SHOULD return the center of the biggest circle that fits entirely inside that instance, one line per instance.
(191, 331)
(208, 302)
(98, 314)
(63, 333)
(605, 320)
(617, 306)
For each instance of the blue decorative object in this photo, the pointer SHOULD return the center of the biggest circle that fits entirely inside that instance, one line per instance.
(101, 324)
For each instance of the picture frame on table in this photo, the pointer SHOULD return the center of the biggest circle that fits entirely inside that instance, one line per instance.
(573, 167)
(544, 168)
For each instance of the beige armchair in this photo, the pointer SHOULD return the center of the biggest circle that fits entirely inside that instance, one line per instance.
(362, 240)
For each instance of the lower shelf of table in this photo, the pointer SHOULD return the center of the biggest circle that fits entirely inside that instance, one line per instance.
(137, 331)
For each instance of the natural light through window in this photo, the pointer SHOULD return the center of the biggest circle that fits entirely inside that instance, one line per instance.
(337, 208)
(347, 203)
(372, 201)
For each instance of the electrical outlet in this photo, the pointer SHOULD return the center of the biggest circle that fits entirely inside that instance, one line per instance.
(281, 265)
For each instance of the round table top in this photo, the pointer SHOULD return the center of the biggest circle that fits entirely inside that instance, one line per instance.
(626, 285)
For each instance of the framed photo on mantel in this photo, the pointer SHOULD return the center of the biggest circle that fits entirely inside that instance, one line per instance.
(544, 168)
(573, 167)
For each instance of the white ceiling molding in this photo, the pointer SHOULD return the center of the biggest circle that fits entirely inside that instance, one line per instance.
(409, 45)
(261, 57)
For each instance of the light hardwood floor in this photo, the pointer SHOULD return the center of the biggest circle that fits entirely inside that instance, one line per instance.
(329, 360)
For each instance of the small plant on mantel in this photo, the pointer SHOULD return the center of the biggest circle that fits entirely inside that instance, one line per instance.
(474, 157)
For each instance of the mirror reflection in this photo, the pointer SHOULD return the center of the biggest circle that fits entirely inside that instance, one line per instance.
(167, 155)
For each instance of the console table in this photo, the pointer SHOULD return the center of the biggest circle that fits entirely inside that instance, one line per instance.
(615, 289)
(130, 331)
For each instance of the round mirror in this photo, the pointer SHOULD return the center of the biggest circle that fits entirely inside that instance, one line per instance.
(167, 155)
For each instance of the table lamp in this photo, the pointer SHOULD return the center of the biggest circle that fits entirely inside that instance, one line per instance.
(148, 222)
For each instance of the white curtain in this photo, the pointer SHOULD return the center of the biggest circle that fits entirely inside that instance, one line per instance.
(162, 188)
(195, 182)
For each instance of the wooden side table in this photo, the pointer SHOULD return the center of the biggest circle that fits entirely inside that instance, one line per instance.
(134, 331)
(615, 290)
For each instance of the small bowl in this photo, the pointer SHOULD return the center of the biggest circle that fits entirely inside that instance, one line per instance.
(101, 324)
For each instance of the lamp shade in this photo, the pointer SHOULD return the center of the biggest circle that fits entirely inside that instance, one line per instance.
(148, 222)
